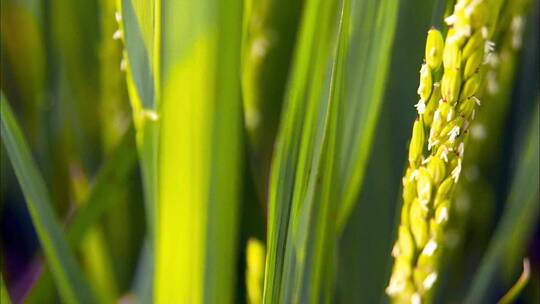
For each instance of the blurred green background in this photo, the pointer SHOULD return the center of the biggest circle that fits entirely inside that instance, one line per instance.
(61, 72)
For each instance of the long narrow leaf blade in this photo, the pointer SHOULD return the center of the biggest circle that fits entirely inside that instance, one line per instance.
(66, 272)
(368, 62)
(323, 142)
(299, 233)
(112, 176)
(139, 20)
(521, 211)
(368, 233)
(137, 28)
(199, 155)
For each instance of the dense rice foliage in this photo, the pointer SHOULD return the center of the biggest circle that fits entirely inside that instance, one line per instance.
(270, 151)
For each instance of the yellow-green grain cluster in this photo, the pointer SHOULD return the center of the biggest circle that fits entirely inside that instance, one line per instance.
(489, 126)
(449, 82)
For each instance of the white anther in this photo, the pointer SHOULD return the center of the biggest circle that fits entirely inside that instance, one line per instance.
(117, 16)
(489, 46)
(117, 35)
(485, 32)
(430, 248)
(150, 114)
(414, 175)
(416, 299)
(457, 171)
(453, 134)
(420, 107)
(395, 251)
(430, 280)
(395, 286)
(443, 216)
(469, 10)
(123, 64)
(450, 115)
(450, 19)
(461, 149)
(444, 154)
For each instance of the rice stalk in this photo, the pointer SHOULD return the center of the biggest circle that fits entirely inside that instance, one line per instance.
(512, 295)
(136, 29)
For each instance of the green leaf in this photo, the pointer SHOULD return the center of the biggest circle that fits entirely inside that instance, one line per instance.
(140, 27)
(301, 231)
(200, 151)
(137, 26)
(368, 236)
(331, 108)
(112, 175)
(521, 211)
(142, 282)
(4, 295)
(67, 274)
(367, 74)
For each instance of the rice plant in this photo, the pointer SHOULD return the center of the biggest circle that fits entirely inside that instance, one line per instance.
(273, 151)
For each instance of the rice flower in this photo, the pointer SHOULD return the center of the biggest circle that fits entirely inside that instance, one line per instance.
(447, 107)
